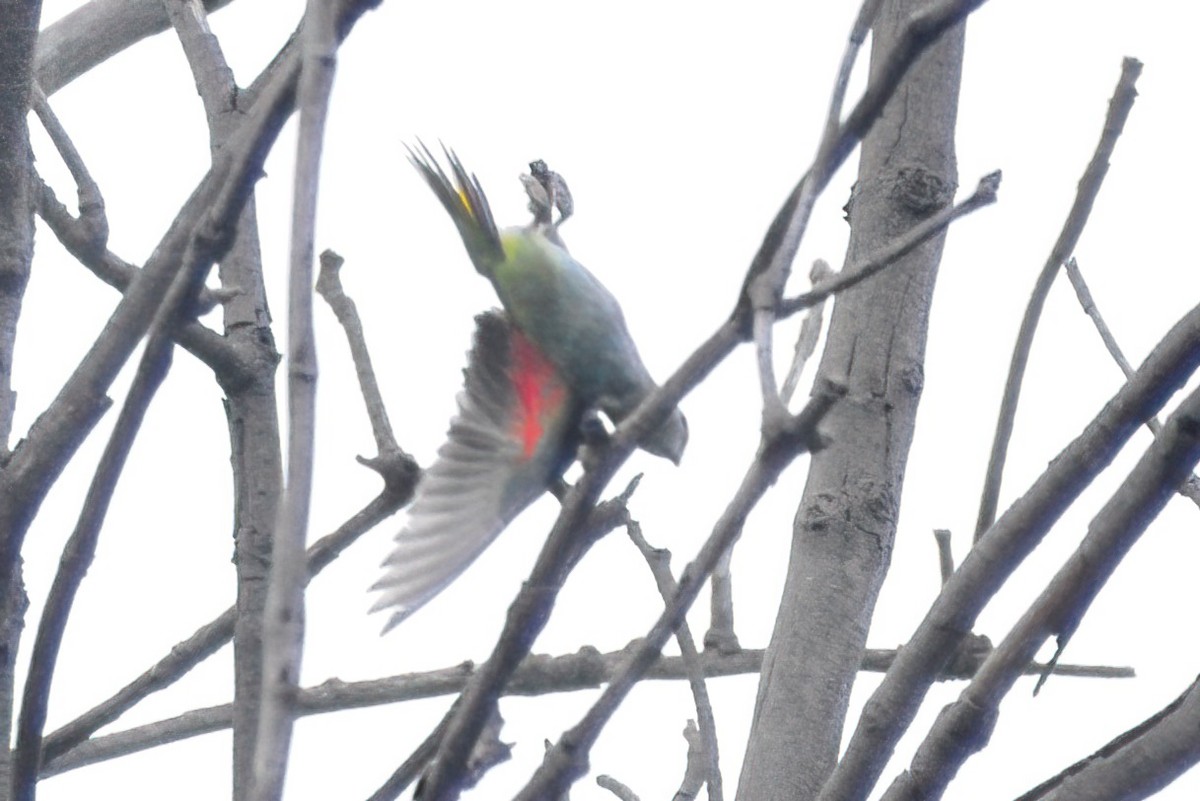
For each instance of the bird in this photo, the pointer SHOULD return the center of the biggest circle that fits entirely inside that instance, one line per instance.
(558, 352)
(554, 191)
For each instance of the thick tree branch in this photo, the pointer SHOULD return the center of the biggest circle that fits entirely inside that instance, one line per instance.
(965, 726)
(1138, 763)
(96, 32)
(250, 406)
(993, 559)
(19, 23)
(845, 523)
(283, 617)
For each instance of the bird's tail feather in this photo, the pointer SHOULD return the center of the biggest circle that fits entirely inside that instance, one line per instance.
(466, 204)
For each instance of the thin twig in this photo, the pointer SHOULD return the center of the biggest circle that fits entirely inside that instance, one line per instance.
(810, 332)
(965, 726)
(329, 286)
(1089, 187)
(984, 195)
(659, 561)
(767, 288)
(79, 240)
(91, 200)
(1190, 488)
(696, 767)
(620, 790)
(538, 675)
(945, 556)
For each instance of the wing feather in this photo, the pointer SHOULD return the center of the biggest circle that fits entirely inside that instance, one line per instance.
(484, 474)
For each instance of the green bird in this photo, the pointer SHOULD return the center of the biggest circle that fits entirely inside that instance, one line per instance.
(559, 351)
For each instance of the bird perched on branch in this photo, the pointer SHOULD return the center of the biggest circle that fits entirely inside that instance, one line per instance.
(547, 191)
(558, 352)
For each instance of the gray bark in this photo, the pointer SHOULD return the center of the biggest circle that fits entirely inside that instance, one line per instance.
(845, 525)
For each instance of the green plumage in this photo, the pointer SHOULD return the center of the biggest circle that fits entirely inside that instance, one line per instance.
(560, 349)
(556, 302)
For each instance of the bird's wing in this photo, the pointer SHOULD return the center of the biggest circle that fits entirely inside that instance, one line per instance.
(515, 432)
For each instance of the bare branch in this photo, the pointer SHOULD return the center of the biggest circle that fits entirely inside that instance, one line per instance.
(892, 706)
(697, 765)
(569, 757)
(1190, 488)
(91, 201)
(94, 33)
(410, 770)
(965, 726)
(1089, 187)
(616, 788)
(329, 286)
(538, 674)
(1136, 764)
(204, 223)
(578, 527)
(945, 556)
(283, 618)
(214, 78)
(810, 332)
(984, 195)
(79, 238)
(81, 547)
(708, 759)
(20, 24)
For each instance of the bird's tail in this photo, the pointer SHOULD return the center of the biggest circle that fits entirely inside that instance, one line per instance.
(466, 204)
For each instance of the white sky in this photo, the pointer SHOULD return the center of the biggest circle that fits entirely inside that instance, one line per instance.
(680, 127)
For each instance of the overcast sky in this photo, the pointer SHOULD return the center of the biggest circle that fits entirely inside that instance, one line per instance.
(680, 127)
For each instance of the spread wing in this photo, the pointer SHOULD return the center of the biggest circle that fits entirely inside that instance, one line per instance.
(515, 432)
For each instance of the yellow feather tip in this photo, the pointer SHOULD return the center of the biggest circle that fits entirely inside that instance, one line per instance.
(462, 197)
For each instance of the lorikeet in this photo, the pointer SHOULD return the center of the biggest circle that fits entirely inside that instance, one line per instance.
(559, 350)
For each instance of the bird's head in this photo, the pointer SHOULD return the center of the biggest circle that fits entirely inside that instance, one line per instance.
(669, 439)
